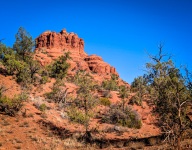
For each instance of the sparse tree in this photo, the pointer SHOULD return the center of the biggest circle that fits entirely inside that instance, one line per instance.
(171, 96)
(23, 44)
(124, 93)
(59, 92)
(34, 68)
(86, 96)
(139, 85)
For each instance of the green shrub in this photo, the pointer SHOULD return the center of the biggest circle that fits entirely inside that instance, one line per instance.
(58, 93)
(10, 106)
(105, 101)
(44, 79)
(128, 117)
(111, 84)
(60, 67)
(5, 100)
(22, 97)
(75, 115)
(135, 100)
(42, 107)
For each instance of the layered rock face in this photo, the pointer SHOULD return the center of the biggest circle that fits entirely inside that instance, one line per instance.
(62, 40)
(97, 65)
(51, 45)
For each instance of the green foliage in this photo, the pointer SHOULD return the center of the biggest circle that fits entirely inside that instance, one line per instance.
(105, 101)
(10, 63)
(78, 78)
(170, 94)
(60, 67)
(124, 93)
(139, 83)
(7, 101)
(139, 86)
(44, 79)
(22, 73)
(2, 89)
(4, 50)
(58, 93)
(20, 63)
(135, 100)
(44, 75)
(76, 115)
(42, 107)
(128, 117)
(33, 68)
(11, 106)
(55, 89)
(17, 67)
(85, 96)
(23, 96)
(111, 84)
(23, 44)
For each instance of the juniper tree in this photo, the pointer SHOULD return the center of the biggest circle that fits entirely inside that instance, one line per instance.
(139, 86)
(60, 67)
(86, 96)
(124, 93)
(23, 44)
(171, 96)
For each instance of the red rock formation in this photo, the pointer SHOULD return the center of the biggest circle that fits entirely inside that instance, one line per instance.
(62, 40)
(97, 65)
(51, 45)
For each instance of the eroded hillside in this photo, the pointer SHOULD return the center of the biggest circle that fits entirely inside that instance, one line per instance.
(69, 99)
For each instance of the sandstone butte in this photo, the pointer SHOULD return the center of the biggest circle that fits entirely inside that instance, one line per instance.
(51, 45)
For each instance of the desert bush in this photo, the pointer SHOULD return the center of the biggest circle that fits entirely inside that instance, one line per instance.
(135, 100)
(79, 77)
(60, 67)
(128, 117)
(23, 96)
(19, 60)
(43, 107)
(107, 94)
(43, 75)
(88, 100)
(2, 89)
(76, 115)
(123, 93)
(44, 79)
(58, 93)
(6, 100)
(105, 101)
(10, 106)
(139, 85)
(16, 67)
(37, 101)
(111, 84)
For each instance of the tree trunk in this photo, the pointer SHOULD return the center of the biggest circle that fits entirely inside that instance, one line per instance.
(179, 143)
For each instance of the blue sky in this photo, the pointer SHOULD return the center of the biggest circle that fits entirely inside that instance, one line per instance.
(121, 31)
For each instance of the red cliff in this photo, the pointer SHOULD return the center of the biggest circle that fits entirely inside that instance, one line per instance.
(51, 45)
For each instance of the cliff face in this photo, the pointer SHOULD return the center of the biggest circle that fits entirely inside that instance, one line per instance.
(51, 45)
(61, 41)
